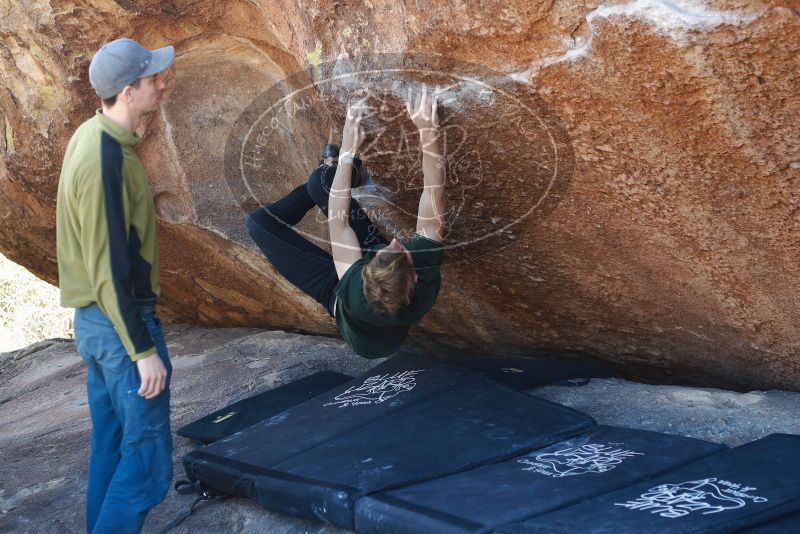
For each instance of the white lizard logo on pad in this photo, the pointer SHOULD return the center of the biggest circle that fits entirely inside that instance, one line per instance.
(376, 389)
(589, 458)
(706, 496)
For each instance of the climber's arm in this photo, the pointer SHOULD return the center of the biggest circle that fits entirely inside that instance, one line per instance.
(344, 242)
(432, 203)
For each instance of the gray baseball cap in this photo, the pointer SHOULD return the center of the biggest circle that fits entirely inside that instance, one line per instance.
(122, 62)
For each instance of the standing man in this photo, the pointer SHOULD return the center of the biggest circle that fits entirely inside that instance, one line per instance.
(108, 272)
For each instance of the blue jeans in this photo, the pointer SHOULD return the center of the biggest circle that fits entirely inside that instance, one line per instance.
(130, 467)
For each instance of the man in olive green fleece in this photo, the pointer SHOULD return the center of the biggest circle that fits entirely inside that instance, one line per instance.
(108, 272)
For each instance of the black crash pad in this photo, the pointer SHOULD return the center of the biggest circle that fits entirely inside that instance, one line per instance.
(526, 373)
(246, 412)
(600, 461)
(785, 525)
(734, 489)
(392, 385)
(407, 420)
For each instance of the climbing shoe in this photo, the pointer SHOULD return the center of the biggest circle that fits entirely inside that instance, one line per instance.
(360, 174)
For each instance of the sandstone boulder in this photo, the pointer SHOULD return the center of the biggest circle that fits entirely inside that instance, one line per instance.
(623, 175)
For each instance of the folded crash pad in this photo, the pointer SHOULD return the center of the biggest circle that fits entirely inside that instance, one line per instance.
(591, 464)
(435, 420)
(390, 386)
(734, 489)
(246, 412)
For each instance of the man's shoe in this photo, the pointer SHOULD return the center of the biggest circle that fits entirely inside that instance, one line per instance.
(330, 151)
(360, 173)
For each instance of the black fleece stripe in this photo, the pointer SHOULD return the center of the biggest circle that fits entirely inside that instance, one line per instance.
(142, 288)
(121, 264)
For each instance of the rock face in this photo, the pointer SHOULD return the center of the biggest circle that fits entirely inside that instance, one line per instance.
(623, 177)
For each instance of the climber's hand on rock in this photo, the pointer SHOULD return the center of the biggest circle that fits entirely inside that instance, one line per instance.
(353, 133)
(422, 110)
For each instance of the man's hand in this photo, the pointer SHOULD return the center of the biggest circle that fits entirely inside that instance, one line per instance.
(423, 111)
(153, 375)
(352, 134)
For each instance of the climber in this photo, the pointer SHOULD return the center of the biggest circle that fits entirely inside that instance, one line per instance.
(108, 272)
(375, 289)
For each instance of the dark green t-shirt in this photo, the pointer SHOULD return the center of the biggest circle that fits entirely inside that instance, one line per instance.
(370, 333)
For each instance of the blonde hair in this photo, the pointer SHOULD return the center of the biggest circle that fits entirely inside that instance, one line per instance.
(389, 282)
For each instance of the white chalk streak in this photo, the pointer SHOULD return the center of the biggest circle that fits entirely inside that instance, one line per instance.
(672, 18)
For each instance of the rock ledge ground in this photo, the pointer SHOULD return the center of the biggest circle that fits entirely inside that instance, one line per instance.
(44, 419)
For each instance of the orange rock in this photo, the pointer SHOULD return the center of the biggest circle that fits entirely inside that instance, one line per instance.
(632, 196)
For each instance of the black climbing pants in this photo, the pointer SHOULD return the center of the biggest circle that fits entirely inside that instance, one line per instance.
(300, 261)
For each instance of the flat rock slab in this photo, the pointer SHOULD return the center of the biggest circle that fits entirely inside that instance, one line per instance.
(703, 413)
(45, 425)
(44, 419)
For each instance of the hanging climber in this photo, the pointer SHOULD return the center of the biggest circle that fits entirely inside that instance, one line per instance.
(374, 288)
